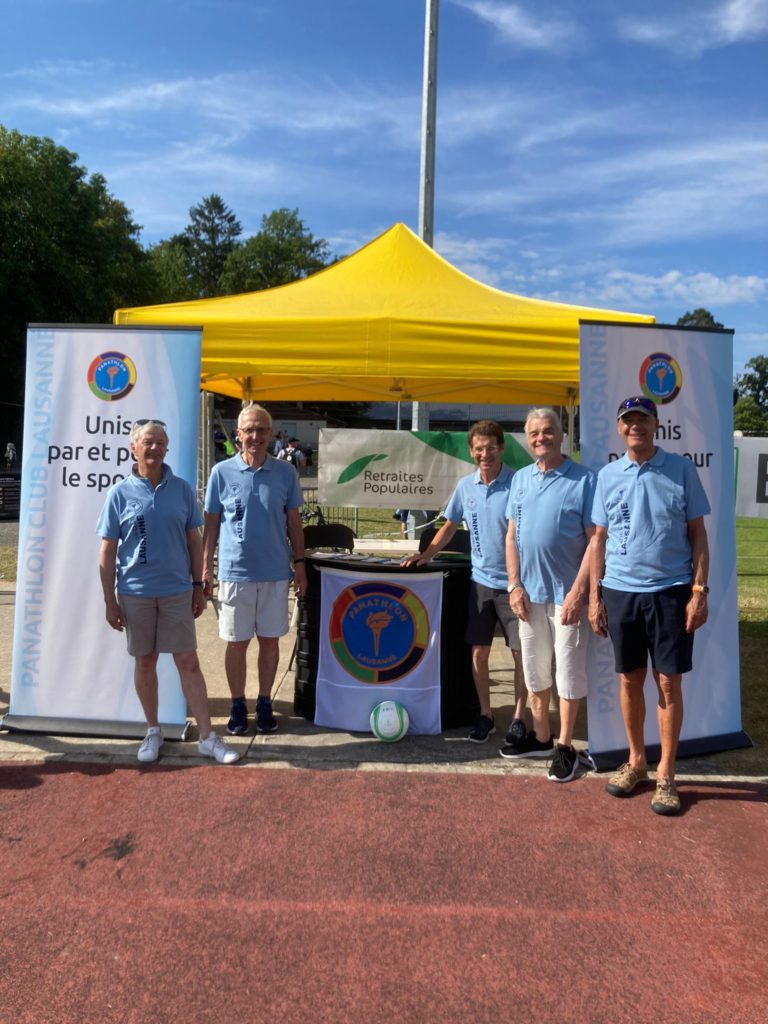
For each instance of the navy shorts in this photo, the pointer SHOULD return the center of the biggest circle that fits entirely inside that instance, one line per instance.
(652, 623)
(487, 607)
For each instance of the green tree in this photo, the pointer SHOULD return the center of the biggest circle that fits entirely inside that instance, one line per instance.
(284, 250)
(754, 382)
(69, 252)
(698, 318)
(209, 239)
(169, 265)
(749, 418)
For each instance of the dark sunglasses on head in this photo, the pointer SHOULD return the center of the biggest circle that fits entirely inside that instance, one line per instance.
(143, 423)
(637, 402)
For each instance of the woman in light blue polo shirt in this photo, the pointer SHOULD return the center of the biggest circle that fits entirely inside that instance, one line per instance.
(152, 549)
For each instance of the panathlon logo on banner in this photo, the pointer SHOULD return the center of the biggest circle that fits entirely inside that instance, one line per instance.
(111, 376)
(378, 631)
(661, 378)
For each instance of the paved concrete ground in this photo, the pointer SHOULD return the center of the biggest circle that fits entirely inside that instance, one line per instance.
(298, 742)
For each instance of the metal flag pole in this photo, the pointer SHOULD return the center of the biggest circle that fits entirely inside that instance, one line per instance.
(420, 410)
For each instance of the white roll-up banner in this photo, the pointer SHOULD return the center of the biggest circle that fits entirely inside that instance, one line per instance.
(688, 372)
(84, 388)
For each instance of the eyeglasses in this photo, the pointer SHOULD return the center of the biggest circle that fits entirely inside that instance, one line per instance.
(254, 430)
(143, 423)
(637, 402)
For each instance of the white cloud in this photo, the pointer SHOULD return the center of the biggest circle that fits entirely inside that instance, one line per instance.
(676, 288)
(519, 28)
(704, 26)
(244, 102)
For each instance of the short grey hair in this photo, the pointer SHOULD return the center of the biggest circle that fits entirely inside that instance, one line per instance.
(544, 413)
(254, 408)
(139, 427)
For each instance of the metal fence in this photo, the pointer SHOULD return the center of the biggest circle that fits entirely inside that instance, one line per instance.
(312, 512)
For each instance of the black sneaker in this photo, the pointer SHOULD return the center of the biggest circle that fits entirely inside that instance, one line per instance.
(563, 765)
(529, 747)
(265, 720)
(482, 729)
(516, 732)
(238, 718)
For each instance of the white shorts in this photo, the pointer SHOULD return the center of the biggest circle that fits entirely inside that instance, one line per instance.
(544, 635)
(253, 609)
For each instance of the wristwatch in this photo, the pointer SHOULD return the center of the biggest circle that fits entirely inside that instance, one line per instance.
(513, 586)
(700, 588)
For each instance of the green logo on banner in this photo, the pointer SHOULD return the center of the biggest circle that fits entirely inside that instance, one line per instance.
(356, 468)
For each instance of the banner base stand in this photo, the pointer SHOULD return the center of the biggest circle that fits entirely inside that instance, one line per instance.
(89, 727)
(607, 760)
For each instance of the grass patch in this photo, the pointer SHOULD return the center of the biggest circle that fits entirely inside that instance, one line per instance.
(7, 564)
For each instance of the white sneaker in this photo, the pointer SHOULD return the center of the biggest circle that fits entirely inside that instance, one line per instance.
(150, 748)
(217, 748)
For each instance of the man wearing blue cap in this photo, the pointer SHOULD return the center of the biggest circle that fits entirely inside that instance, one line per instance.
(649, 566)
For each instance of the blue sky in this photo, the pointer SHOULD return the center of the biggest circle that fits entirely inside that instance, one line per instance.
(610, 152)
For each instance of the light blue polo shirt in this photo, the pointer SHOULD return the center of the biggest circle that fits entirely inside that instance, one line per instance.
(150, 525)
(647, 509)
(551, 511)
(252, 504)
(483, 507)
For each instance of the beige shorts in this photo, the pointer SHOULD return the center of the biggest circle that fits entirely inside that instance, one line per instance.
(252, 609)
(158, 625)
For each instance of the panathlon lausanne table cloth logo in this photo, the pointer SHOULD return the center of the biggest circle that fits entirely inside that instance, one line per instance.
(111, 376)
(378, 631)
(661, 378)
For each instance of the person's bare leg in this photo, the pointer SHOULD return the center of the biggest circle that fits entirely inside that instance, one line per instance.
(482, 678)
(540, 713)
(633, 713)
(269, 658)
(521, 693)
(145, 681)
(236, 667)
(569, 710)
(194, 689)
(669, 714)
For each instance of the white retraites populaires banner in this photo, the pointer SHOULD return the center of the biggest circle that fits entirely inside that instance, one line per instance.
(413, 469)
(688, 373)
(379, 640)
(84, 388)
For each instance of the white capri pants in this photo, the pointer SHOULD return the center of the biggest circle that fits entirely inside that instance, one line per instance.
(544, 635)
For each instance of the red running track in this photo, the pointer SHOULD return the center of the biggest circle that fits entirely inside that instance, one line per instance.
(210, 894)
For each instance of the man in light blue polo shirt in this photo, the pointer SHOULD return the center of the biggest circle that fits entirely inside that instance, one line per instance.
(550, 526)
(480, 499)
(150, 530)
(252, 507)
(649, 566)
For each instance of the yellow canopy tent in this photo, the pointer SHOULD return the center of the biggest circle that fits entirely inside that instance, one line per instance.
(392, 322)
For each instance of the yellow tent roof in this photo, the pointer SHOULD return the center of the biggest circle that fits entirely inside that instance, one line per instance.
(393, 321)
